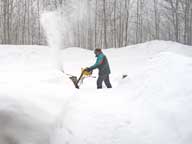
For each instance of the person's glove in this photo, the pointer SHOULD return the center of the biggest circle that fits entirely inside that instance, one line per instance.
(88, 69)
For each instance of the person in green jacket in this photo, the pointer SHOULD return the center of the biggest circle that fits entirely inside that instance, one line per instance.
(103, 67)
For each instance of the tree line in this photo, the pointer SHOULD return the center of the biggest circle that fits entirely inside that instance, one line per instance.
(107, 23)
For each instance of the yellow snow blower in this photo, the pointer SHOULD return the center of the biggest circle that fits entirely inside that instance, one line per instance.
(83, 75)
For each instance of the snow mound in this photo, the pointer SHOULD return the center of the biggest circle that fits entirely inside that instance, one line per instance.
(32, 94)
(39, 104)
(22, 122)
(152, 107)
(25, 58)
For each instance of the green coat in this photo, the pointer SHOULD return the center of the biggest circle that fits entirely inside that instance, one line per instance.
(102, 64)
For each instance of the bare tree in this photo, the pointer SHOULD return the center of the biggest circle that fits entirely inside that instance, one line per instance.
(107, 23)
(127, 4)
(157, 19)
(173, 8)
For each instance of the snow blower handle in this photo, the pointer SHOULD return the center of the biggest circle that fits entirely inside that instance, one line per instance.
(86, 72)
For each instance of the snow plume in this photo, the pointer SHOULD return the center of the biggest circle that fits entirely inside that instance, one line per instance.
(59, 26)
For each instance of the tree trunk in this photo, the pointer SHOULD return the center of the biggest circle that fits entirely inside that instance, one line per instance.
(156, 20)
(105, 24)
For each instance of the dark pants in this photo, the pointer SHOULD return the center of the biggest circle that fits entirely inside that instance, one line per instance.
(104, 78)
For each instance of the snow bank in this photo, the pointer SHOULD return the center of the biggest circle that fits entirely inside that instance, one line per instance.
(32, 94)
(22, 122)
(30, 111)
(152, 105)
(25, 58)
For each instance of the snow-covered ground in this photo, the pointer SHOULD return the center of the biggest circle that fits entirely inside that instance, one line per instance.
(39, 104)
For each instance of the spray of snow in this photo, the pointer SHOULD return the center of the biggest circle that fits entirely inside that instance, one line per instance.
(58, 26)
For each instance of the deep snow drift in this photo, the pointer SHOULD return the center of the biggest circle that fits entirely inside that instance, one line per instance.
(39, 104)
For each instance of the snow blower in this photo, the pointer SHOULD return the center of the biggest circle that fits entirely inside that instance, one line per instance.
(83, 75)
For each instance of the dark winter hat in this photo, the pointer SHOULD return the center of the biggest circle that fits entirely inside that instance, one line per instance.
(97, 50)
